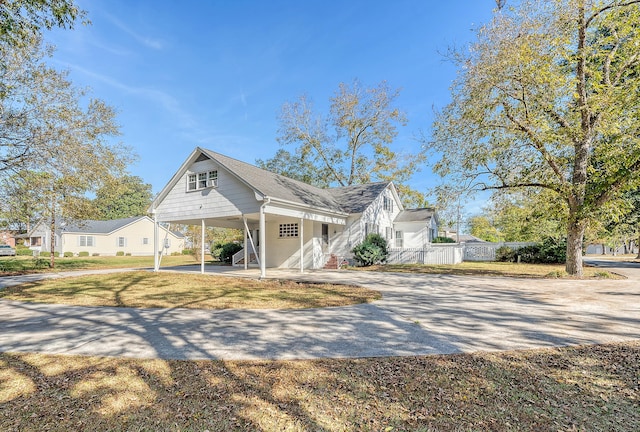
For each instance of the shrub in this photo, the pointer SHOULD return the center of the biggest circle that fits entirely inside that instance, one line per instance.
(24, 251)
(83, 254)
(373, 250)
(40, 263)
(441, 239)
(176, 253)
(95, 254)
(68, 254)
(120, 253)
(128, 254)
(228, 249)
(549, 251)
(505, 254)
(187, 251)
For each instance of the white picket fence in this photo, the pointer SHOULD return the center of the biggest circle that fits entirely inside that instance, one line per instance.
(435, 254)
(487, 251)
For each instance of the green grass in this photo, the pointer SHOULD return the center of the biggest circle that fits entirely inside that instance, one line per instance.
(472, 268)
(589, 388)
(145, 289)
(23, 264)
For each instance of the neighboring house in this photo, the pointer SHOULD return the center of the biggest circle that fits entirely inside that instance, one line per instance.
(8, 238)
(133, 236)
(290, 224)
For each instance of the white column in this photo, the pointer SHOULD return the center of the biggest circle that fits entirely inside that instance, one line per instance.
(202, 249)
(301, 234)
(156, 261)
(263, 245)
(246, 243)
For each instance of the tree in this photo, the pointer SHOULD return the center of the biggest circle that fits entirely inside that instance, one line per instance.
(122, 197)
(350, 145)
(22, 19)
(547, 99)
(20, 200)
(481, 227)
(55, 131)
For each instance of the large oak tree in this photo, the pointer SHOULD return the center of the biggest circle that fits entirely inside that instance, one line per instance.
(351, 144)
(548, 98)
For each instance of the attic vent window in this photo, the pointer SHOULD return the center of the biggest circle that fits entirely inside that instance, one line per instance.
(202, 180)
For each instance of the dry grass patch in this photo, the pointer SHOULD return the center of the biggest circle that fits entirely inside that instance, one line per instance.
(569, 389)
(171, 290)
(470, 268)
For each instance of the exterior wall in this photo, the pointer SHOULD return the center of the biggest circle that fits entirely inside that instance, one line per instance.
(134, 235)
(285, 252)
(42, 230)
(346, 236)
(415, 234)
(230, 198)
(375, 214)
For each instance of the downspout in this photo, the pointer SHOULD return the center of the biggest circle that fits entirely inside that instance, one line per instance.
(263, 246)
(156, 260)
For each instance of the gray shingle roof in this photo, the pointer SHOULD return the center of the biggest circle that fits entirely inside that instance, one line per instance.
(97, 226)
(348, 199)
(415, 215)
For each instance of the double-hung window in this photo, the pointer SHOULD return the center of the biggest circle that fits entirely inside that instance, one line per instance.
(387, 204)
(399, 239)
(84, 240)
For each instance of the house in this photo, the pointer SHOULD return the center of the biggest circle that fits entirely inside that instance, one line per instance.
(133, 236)
(287, 223)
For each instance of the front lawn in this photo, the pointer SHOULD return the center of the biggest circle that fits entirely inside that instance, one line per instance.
(589, 388)
(170, 290)
(482, 268)
(27, 264)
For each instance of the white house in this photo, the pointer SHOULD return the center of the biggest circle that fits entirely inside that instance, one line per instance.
(133, 236)
(290, 224)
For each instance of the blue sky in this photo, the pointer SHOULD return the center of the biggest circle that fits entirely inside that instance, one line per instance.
(216, 73)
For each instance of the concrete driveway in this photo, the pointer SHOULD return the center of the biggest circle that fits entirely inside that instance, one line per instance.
(419, 314)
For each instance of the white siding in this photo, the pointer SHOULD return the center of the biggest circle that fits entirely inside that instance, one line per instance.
(107, 244)
(375, 214)
(230, 198)
(415, 234)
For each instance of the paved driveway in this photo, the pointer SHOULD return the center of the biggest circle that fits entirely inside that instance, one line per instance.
(419, 314)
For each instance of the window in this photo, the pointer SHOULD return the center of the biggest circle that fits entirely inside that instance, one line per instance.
(387, 204)
(370, 228)
(145, 240)
(122, 241)
(191, 182)
(389, 233)
(86, 241)
(202, 180)
(213, 178)
(399, 238)
(288, 230)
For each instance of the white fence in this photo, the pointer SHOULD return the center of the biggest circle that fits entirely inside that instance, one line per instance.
(487, 251)
(440, 254)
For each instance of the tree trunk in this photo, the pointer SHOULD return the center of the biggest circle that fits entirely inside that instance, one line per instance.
(604, 249)
(638, 257)
(52, 247)
(575, 237)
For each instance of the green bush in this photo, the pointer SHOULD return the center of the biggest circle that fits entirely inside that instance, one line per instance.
(549, 251)
(128, 254)
(187, 251)
(441, 239)
(227, 251)
(40, 263)
(373, 250)
(120, 253)
(95, 254)
(505, 254)
(68, 254)
(24, 251)
(83, 254)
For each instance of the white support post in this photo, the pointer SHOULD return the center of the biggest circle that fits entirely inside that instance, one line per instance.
(202, 248)
(301, 234)
(156, 259)
(263, 248)
(245, 243)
